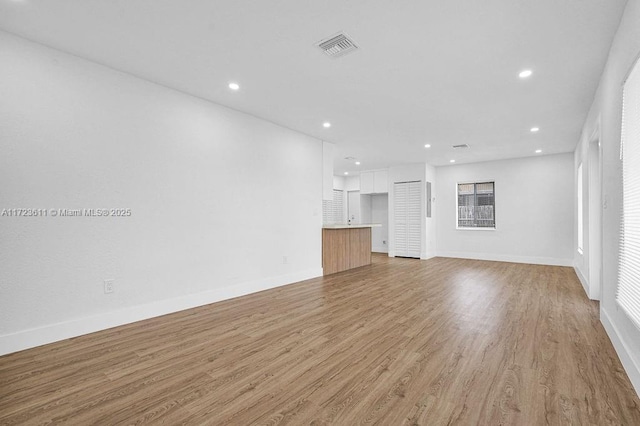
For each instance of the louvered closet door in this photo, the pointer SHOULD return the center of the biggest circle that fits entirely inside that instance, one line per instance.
(407, 218)
(400, 194)
(414, 210)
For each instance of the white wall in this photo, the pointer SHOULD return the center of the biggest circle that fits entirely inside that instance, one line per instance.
(604, 119)
(534, 211)
(217, 198)
(327, 170)
(365, 210)
(430, 222)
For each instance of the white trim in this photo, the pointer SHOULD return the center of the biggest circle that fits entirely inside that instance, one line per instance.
(630, 364)
(31, 338)
(594, 251)
(583, 281)
(428, 255)
(476, 228)
(580, 207)
(508, 258)
(380, 249)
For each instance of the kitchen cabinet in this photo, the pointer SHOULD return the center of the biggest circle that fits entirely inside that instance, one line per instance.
(380, 185)
(366, 183)
(374, 182)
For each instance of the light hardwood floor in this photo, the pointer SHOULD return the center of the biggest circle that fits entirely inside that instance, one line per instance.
(402, 341)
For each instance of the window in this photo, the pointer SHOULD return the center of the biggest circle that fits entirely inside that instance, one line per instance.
(476, 205)
(580, 211)
(628, 294)
(333, 210)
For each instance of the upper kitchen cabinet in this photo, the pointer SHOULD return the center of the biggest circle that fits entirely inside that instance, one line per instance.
(374, 182)
(380, 184)
(366, 183)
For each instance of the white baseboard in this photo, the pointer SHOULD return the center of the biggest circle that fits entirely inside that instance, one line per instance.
(508, 258)
(631, 365)
(31, 338)
(428, 255)
(381, 249)
(583, 281)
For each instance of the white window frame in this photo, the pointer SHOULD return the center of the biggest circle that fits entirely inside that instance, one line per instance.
(628, 286)
(466, 228)
(580, 196)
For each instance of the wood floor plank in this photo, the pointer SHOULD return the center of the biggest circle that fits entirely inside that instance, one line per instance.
(399, 342)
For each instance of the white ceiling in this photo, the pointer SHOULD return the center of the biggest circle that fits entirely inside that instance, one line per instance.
(438, 72)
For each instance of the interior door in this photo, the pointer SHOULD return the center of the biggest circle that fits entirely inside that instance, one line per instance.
(400, 193)
(407, 209)
(353, 207)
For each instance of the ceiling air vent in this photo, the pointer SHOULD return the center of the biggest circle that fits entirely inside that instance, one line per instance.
(337, 45)
(462, 146)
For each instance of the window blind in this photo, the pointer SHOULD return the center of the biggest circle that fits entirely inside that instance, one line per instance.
(338, 206)
(628, 293)
(333, 210)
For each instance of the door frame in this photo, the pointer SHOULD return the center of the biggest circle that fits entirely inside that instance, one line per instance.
(595, 207)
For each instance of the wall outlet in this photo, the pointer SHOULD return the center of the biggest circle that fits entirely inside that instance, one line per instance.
(384, 241)
(285, 260)
(108, 286)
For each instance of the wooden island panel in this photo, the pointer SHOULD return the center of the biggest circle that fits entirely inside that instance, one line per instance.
(335, 244)
(359, 247)
(345, 248)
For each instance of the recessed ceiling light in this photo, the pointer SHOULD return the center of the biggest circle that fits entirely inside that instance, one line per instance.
(234, 86)
(538, 151)
(452, 161)
(525, 73)
(427, 145)
(346, 173)
(326, 124)
(534, 129)
(357, 163)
